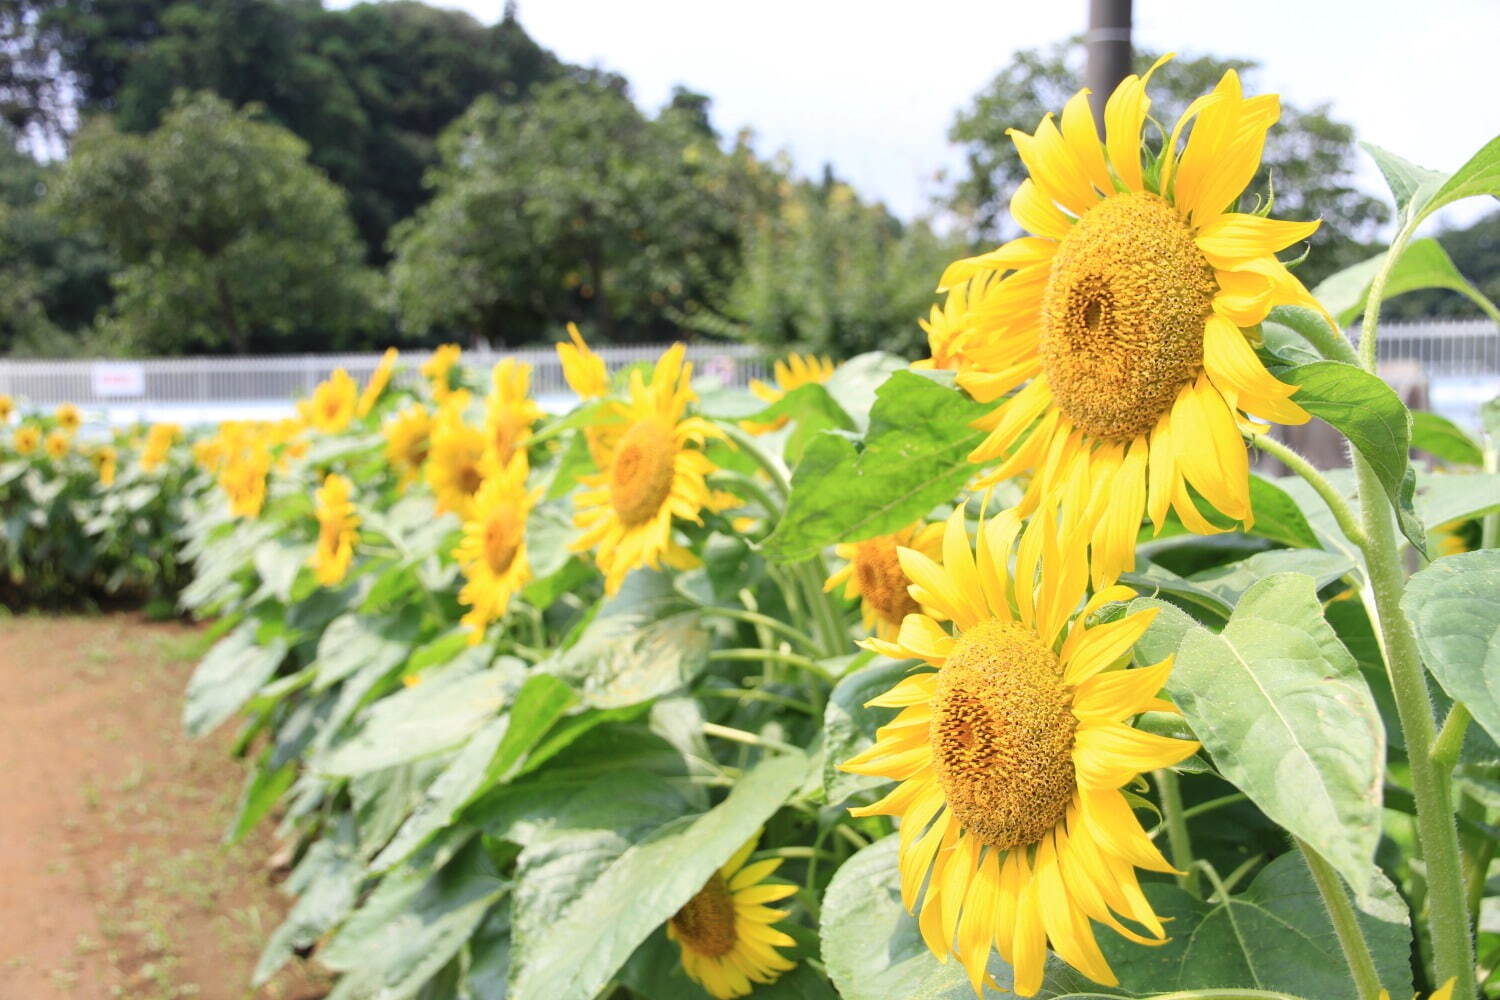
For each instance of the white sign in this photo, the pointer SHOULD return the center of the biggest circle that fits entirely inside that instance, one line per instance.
(118, 378)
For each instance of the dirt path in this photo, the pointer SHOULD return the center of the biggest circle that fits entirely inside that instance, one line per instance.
(114, 881)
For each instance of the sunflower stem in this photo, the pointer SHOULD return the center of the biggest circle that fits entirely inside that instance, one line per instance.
(1343, 513)
(762, 622)
(776, 655)
(751, 447)
(1371, 319)
(1179, 840)
(829, 622)
(1345, 923)
(745, 737)
(752, 694)
(1447, 913)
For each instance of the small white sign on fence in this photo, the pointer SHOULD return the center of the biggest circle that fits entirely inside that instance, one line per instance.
(113, 379)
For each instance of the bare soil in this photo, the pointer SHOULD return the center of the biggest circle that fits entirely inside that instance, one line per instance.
(114, 878)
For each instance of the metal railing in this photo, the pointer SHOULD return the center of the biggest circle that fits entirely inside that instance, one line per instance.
(40, 383)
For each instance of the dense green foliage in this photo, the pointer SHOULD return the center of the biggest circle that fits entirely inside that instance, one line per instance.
(223, 232)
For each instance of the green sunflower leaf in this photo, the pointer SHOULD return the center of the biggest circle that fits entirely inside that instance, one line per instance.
(810, 409)
(1280, 705)
(1275, 936)
(1370, 414)
(1444, 439)
(595, 884)
(1454, 605)
(914, 457)
(1424, 264)
(229, 675)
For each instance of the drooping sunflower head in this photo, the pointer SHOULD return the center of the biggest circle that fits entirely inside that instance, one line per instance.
(105, 460)
(584, 370)
(492, 554)
(57, 444)
(454, 457)
(725, 931)
(654, 472)
(379, 379)
(7, 407)
(68, 418)
(509, 410)
(331, 405)
(791, 372)
(337, 529)
(872, 574)
(407, 438)
(436, 370)
(1011, 755)
(26, 439)
(1122, 318)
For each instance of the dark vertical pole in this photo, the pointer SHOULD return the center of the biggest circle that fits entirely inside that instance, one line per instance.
(1108, 44)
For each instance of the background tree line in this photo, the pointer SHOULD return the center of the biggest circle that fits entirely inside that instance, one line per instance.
(253, 176)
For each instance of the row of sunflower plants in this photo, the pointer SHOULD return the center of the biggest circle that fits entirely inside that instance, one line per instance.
(1001, 672)
(90, 520)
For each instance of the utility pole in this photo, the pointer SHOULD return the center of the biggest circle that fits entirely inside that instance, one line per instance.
(1108, 46)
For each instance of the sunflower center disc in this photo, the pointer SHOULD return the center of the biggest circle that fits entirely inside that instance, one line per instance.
(877, 571)
(469, 477)
(502, 538)
(641, 478)
(1123, 314)
(706, 922)
(1002, 736)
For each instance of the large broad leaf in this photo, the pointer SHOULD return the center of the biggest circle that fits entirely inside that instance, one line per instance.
(645, 642)
(230, 674)
(810, 409)
(1412, 186)
(874, 951)
(415, 922)
(849, 725)
(435, 715)
(353, 641)
(1424, 264)
(1441, 437)
(578, 916)
(327, 883)
(1454, 605)
(914, 457)
(1370, 414)
(1278, 517)
(491, 756)
(1479, 176)
(1281, 706)
(855, 383)
(1275, 936)
(1443, 498)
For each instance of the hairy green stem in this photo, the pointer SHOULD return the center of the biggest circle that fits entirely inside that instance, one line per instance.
(742, 736)
(776, 655)
(762, 621)
(1448, 919)
(1342, 512)
(752, 694)
(1178, 839)
(1370, 322)
(1345, 923)
(1450, 739)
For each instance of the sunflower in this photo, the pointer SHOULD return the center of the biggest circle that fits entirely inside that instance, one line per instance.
(791, 373)
(582, 368)
(509, 410)
(57, 444)
(26, 439)
(654, 471)
(436, 368)
(1125, 316)
(243, 478)
(379, 379)
(1012, 754)
(454, 456)
(7, 407)
(105, 460)
(159, 440)
(407, 437)
(945, 327)
(492, 555)
(337, 524)
(872, 573)
(725, 932)
(331, 406)
(68, 418)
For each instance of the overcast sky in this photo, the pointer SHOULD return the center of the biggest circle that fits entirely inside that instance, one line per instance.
(872, 86)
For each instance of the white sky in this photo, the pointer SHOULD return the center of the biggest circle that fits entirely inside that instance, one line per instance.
(872, 86)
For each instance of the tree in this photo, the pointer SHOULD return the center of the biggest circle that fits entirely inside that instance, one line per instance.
(228, 238)
(573, 206)
(1309, 156)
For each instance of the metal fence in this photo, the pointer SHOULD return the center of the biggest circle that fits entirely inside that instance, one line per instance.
(94, 383)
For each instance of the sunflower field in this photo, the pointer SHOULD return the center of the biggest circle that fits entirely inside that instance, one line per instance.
(999, 673)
